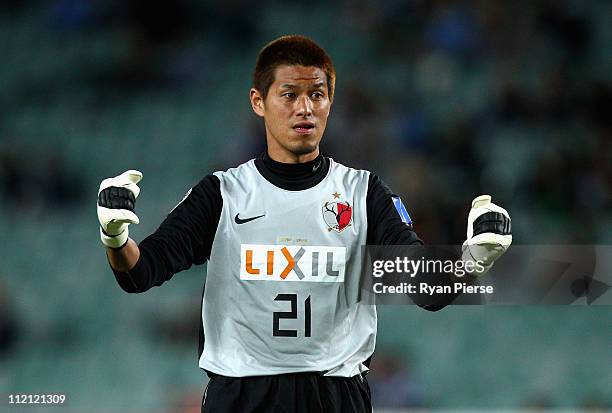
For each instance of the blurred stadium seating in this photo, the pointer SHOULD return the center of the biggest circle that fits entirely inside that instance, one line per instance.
(443, 99)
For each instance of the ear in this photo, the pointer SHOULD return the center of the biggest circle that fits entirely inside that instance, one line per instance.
(257, 102)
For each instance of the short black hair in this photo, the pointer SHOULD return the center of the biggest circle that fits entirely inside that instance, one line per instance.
(293, 50)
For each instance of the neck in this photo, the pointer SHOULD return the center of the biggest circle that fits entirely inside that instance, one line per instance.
(292, 176)
(283, 156)
(302, 164)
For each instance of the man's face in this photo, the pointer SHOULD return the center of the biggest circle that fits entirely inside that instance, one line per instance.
(295, 112)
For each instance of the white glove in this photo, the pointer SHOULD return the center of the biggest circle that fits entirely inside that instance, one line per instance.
(116, 201)
(492, 226)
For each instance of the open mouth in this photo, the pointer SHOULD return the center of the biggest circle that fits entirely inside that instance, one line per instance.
(304, 127)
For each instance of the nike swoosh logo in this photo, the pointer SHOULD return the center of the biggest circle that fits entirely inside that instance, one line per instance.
(239, 220)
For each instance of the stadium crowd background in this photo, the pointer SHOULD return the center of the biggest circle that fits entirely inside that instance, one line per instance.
(443, 99)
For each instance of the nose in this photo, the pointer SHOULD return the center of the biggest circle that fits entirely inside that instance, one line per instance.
(304, 106)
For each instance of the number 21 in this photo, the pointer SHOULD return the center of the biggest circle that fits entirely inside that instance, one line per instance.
(292, 314)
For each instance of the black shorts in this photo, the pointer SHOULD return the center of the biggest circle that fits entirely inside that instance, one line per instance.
(291, 393)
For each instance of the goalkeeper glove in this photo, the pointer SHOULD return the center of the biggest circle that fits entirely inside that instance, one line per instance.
(116, 201)
(489, 234)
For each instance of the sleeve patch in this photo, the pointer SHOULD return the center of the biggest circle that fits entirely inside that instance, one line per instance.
(401, 210)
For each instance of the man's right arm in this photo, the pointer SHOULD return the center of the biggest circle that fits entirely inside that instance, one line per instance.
(184, 238)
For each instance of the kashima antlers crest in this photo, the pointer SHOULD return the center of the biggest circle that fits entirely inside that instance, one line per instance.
(337, 214)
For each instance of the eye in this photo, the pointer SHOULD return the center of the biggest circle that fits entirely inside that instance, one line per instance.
(289, 95)
(318, 95)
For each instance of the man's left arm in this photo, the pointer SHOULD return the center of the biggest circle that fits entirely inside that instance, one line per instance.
(388, 220)
(389, 223)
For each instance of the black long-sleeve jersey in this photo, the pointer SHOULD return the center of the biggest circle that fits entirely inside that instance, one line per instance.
(186, 236)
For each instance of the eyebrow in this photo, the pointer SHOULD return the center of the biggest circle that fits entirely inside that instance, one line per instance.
(293, 86)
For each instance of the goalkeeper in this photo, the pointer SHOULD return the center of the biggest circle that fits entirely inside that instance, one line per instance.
(283, 327)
